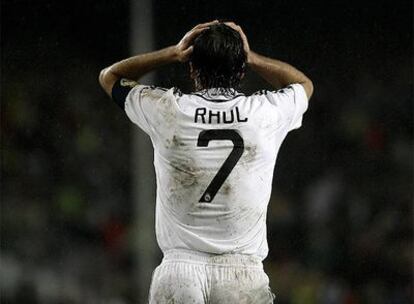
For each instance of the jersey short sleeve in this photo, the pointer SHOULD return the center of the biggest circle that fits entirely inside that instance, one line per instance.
(138, 101)
(291, 102)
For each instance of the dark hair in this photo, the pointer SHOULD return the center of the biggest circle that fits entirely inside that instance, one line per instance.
(218, 58)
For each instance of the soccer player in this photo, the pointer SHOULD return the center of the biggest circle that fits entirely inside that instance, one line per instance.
(214, 156)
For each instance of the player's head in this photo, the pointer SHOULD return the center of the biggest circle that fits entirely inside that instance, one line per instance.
(218, 59)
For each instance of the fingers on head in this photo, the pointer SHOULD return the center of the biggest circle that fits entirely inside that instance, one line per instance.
(234, 26)
(206, 24)
(203, 26)
(230, 23)
(189, 50)
(194, 33)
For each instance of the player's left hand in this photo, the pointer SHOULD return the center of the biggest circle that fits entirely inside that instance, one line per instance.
(184, 48)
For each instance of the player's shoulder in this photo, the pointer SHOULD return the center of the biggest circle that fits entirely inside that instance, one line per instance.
(145, 88)
(153, 92)
(284, 90)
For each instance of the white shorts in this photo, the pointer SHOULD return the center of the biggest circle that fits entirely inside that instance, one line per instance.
(189, 277)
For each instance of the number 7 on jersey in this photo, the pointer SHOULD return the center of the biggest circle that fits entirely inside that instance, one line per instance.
(238, 147)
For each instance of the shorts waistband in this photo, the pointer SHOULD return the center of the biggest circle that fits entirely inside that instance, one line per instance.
(227, 259)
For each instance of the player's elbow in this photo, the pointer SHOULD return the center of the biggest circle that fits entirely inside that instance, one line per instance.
(107, 80)
(101, 78)
(309, 88)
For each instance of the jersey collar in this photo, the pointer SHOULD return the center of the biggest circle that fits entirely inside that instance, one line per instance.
(218, 94)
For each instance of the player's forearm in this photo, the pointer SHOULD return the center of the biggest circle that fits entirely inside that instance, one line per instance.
(278, 73)
(135, 67)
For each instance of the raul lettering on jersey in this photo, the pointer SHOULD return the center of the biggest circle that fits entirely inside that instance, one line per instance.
(208, 116)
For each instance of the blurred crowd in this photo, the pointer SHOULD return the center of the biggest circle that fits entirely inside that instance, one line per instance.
(340, 227)
(340, 217)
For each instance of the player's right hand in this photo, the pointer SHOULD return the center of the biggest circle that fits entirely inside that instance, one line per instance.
(184, 48)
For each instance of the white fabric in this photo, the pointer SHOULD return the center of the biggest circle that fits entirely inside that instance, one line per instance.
(191, 277)
(234, 221)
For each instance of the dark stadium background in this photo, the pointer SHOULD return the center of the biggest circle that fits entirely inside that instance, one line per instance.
(340, 222)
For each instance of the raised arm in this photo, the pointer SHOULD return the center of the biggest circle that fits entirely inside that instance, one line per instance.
(135, 67)
(275, 72)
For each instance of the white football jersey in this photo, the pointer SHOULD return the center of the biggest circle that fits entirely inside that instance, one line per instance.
(214, 157)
